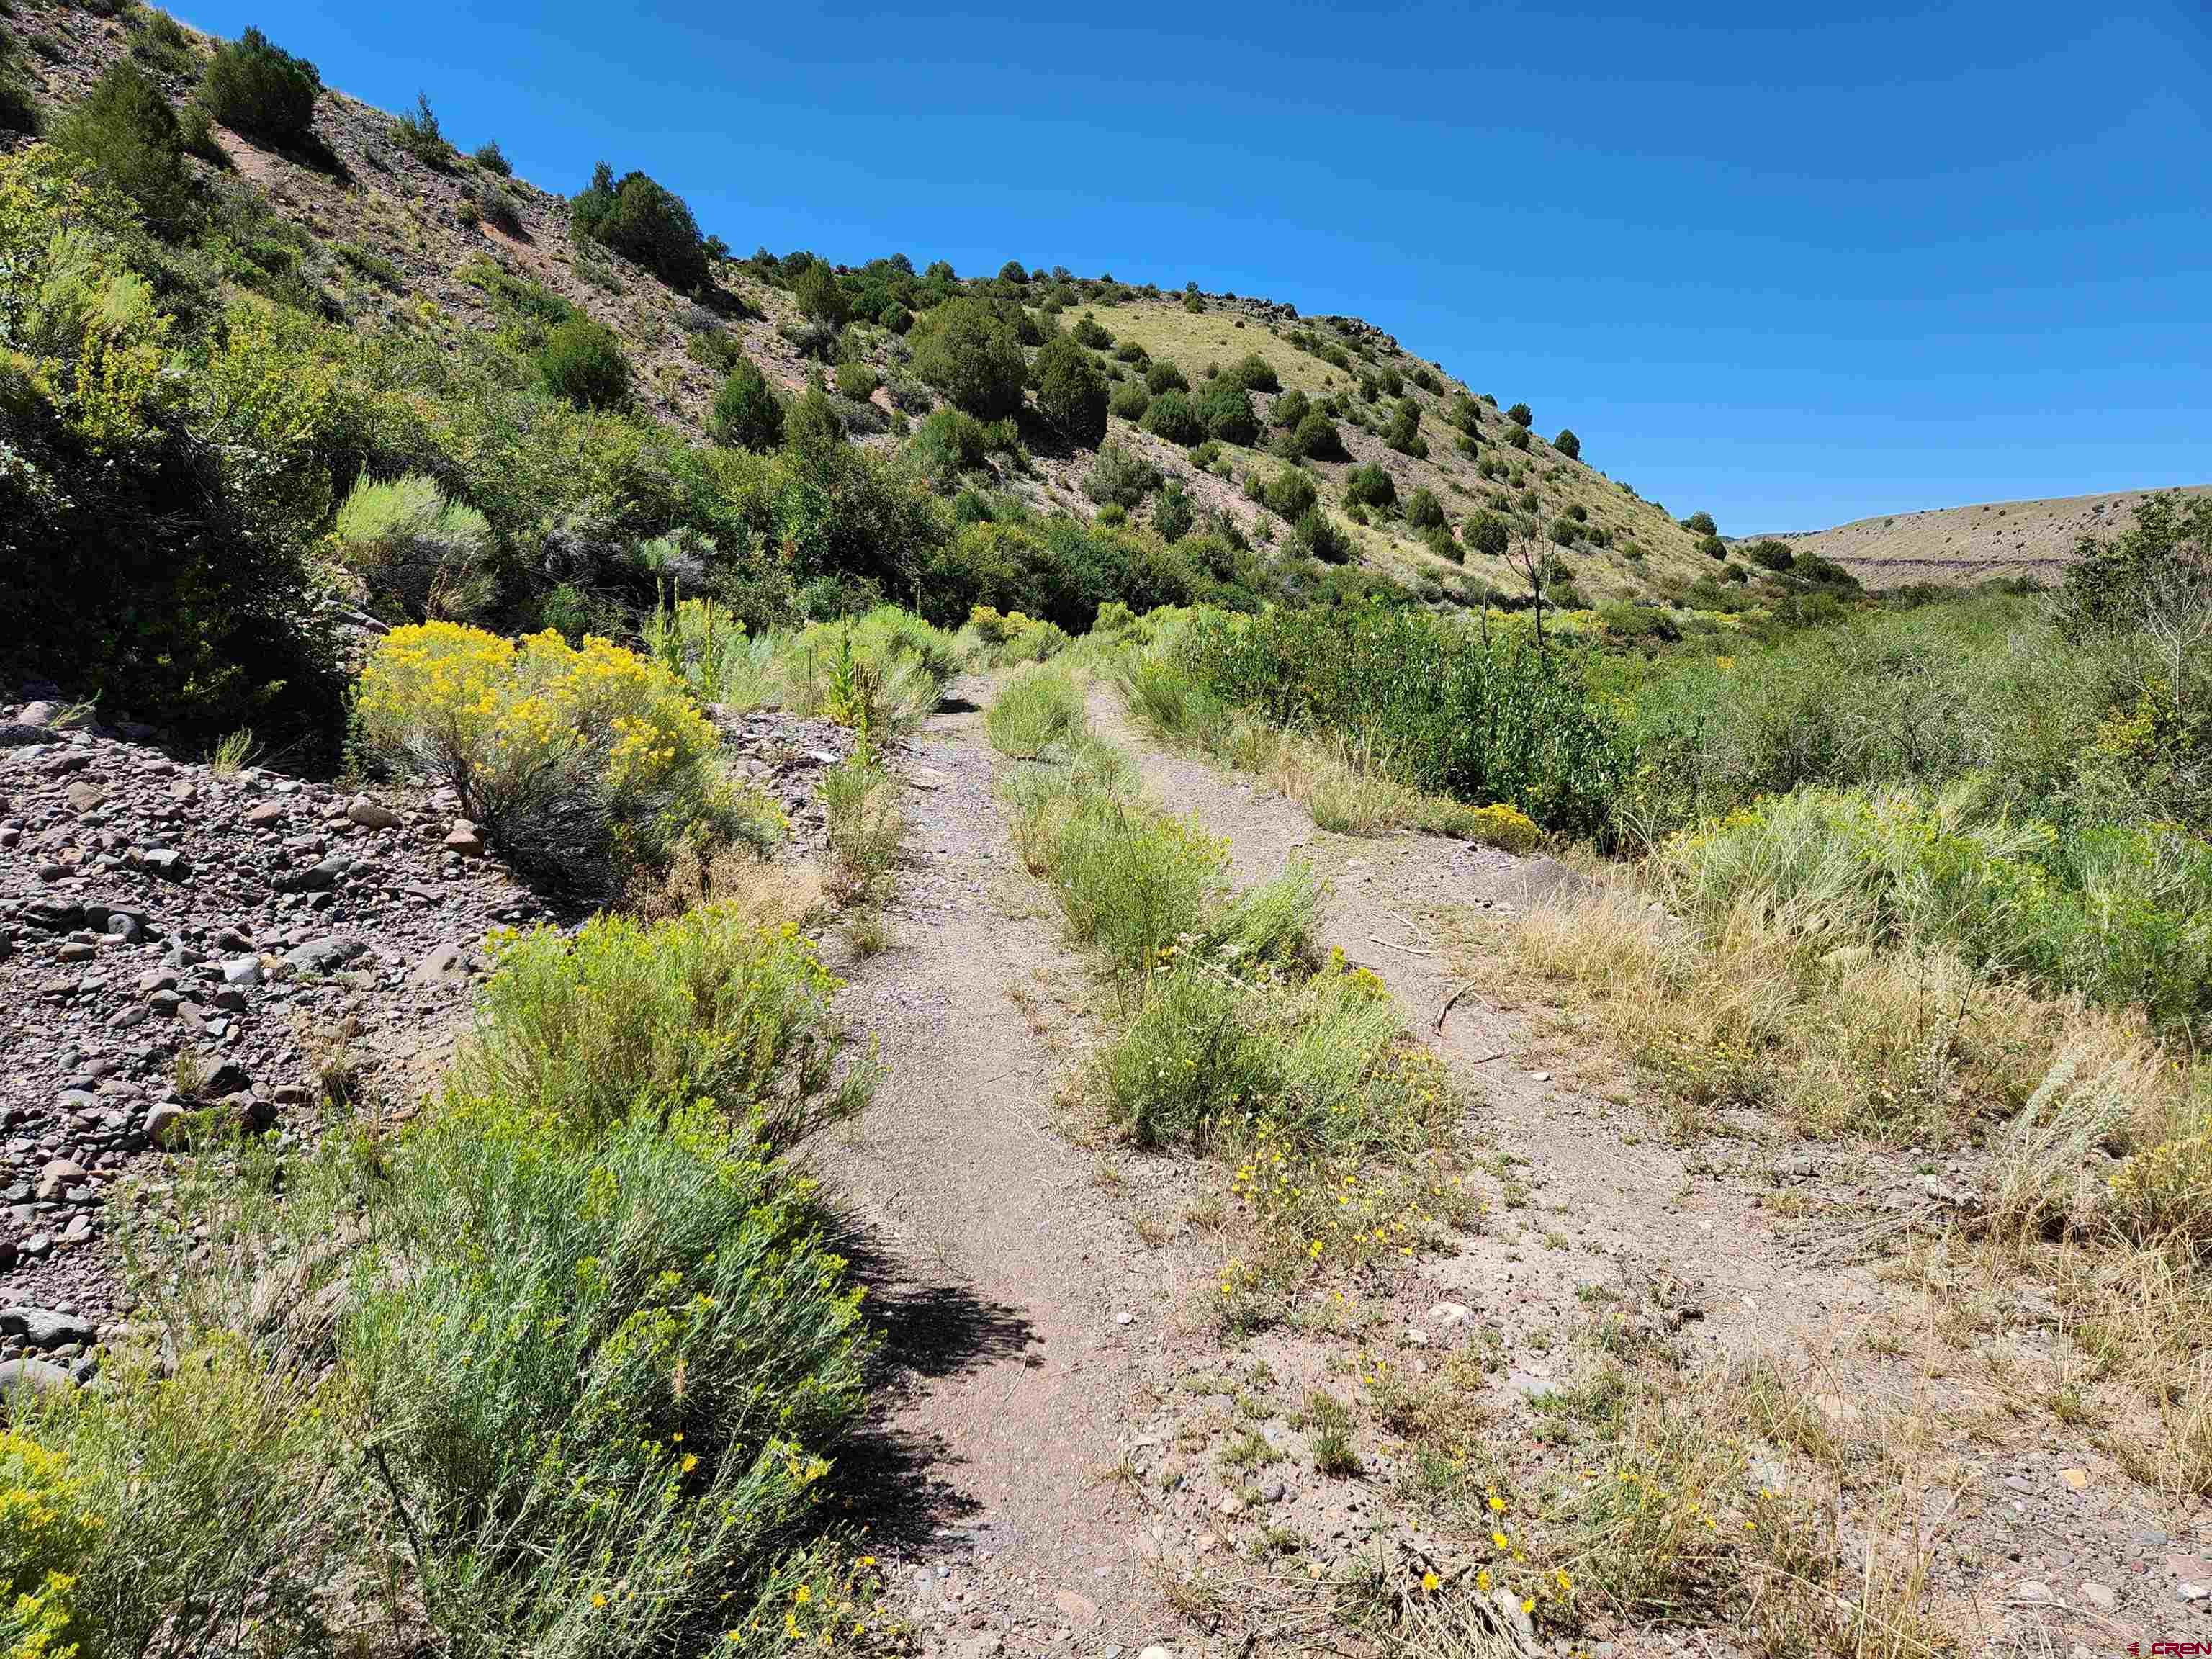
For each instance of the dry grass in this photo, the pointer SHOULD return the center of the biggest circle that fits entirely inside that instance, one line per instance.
(765, 894)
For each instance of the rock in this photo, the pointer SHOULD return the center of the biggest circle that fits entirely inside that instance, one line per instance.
(1508, 1606)
(265, 811)
(443, 964)
(369, 815)
(1446, 1314)
(319, 877)
(38, 1375)
(242, 970)
(465, 839)
(2100, 1596)
(1231, 1503)
(326, 954)
(56, 916)
(170, 864)
(57, 1177)
(84, 796)
(40, 1328)
(248, 1111)
(227, 1078)
(1156, 1651)
(1075, 1608)
(2031, 1590)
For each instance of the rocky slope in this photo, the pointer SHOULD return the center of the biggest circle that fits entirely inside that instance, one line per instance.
(183, 945)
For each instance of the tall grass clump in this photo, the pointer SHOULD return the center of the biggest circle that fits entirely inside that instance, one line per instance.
(880, 673)
(419, 553)
(1040, 707)
(559, 1368)
(581, 764)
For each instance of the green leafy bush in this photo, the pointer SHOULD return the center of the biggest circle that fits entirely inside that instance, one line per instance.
(1520, 416)
(1517, 437)
(972, 354)
(1370, 485)
(950, 442)
(1317, 536)
(1712, 547)
(1568, 444)
(1423, 510)
(1404, 432)
(1254, 373)
(855, 379)
(1089, 331)
(1291, 493)
(1226, 408)
(1173, 515)
(821, 295)
(1164, 376)
(644, 222)
(492, 158)
(1130, 400)
(1170, 415)
(1316, 438)
(1771, 554)
(1700, 523)
(747, 414)
(418, 133)
(1071, 392)
(258, 88)
(419, 553)
(582, 361)
(1289, 410)
(124, 128)
(1478, 719)
(1120, 476)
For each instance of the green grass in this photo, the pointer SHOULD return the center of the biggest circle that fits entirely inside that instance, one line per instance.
(558, 1367)
(867, 823)
(1039, 709)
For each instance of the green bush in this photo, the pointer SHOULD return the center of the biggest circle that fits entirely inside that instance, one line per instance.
(896, 318)
(492, 158)
(643, 221)
(1568, 444)
(1130, 400)
(821, 295)
(1700, 523)
(1771, 554)
(1517, 437)
(1712, 547)
(1370, 485)
(1289, 410)
(1254, 373)
(1291, 493)
(1316, 536)
(582, 361)
(855, 379)
(1423, 510)
(1071, 392)
(256, 88)
(1011, 271)
(1121, 477)
(19, 108)
(1164, 376)
(1520, 415)
(1226, 408)
(1316, 438)
(1089, 331)
(972, 354)
(1170, 415)
(419, 553)
(747, 414)
(1172, 515)
(125, 129)
(1480, 720)
(418, 133)
(950, 442)
(1404, 432)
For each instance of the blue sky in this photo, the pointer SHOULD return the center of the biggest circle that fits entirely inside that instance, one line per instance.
(1794, 272)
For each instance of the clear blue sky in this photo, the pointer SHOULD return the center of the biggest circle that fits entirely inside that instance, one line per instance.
(1795, 272)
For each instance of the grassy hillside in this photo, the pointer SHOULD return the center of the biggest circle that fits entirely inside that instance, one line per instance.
(540, 372)
(1969, 543)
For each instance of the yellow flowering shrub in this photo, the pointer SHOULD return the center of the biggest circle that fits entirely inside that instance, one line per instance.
(44, 1532)
(1500, 825)
(579, 760)
(2166, 1193)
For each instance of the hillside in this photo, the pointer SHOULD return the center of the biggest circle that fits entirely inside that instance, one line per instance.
(1957, 545)
(416, 246)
